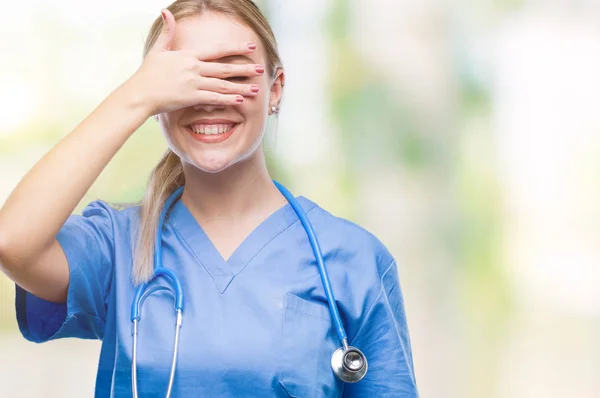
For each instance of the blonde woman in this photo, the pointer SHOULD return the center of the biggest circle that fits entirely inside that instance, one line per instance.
(257, 320)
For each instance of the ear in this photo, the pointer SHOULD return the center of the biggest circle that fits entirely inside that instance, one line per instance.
(277, 90)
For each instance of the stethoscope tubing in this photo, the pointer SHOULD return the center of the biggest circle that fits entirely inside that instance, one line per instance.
(139, 297)
(314, 243)
(345, 372)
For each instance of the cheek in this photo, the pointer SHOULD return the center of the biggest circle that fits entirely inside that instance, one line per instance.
(171, 141)
(261, 101)
(175, 140)
(255, 111)
(258, 105)
(169, 124)
(175, 144)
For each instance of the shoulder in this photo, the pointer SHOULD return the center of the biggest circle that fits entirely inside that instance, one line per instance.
(347, 239)
(360, 266)
(111, 209)
(108, 215)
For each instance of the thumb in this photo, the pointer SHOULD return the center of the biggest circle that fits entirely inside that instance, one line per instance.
(163, 43)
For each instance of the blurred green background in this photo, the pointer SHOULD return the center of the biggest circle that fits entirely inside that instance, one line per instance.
(464, 134)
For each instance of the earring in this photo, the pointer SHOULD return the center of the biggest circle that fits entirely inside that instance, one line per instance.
(274, 109)
(155, 117)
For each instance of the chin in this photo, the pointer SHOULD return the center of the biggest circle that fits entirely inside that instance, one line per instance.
(212, 164)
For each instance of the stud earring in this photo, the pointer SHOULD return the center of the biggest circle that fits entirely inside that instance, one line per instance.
(274, 109)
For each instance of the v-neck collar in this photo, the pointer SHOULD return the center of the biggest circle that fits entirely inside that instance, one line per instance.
(222, 272)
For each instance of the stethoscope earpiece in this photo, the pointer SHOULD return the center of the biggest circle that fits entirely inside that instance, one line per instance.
(349, 364)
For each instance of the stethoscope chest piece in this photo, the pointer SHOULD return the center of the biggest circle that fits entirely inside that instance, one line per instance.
(349, 364)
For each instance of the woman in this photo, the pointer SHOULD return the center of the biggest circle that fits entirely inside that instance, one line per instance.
(256, 318)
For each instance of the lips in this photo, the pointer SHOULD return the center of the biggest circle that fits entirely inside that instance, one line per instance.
(211, 138)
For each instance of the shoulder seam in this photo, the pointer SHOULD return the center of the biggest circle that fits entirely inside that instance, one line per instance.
(366, 315)
(396, 327)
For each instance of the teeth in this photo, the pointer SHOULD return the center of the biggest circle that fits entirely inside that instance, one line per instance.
(211, 128)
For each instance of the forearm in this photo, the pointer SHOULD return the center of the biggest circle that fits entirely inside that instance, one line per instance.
(43, 200)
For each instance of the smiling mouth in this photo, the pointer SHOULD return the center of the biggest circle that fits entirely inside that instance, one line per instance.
(211, 133)
(211, 129)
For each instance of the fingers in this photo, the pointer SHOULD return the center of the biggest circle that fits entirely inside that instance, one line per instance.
(163, 43)
(225, 49)
(226, 87)
(212, 98)
(214, 91)
(227, 71)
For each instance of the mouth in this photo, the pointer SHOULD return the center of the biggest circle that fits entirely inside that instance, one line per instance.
(211, 133)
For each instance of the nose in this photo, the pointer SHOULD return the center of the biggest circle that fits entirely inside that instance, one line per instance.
(208, 108)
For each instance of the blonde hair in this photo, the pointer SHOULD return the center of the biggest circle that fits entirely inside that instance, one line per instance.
(168, 175)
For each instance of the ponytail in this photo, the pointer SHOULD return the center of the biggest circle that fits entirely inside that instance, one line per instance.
(166, 177)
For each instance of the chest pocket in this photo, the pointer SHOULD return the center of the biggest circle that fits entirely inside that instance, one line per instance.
(308, 341)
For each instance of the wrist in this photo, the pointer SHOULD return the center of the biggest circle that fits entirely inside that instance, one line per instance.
(135, 99)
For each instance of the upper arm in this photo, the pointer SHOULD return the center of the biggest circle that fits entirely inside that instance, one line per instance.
(384, 339)
(67, 289)
(48, 277)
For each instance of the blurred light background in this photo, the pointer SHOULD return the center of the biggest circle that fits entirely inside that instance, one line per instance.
(464, 134)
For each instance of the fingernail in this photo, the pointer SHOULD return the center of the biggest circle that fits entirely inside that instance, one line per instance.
(251, 46)
(260, 69)
(239, 98)
(254, 88)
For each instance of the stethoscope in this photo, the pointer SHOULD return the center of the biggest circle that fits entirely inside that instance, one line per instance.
(349, 364)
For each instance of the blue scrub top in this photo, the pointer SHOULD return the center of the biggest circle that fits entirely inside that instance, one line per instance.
(256, 325)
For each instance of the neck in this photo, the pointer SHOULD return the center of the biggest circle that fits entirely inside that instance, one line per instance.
(238, 192)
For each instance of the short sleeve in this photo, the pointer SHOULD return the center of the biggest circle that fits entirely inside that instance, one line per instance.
(88, 243)
(384, 339)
